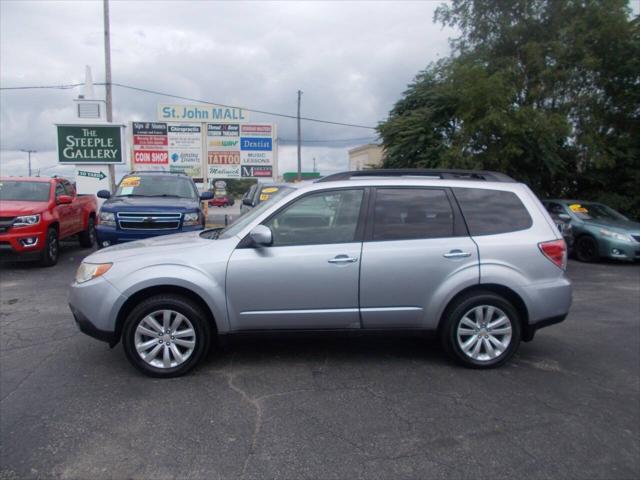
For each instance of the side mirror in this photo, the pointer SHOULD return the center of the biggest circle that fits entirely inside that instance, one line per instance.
(206, 195)
(247, 201)
(64, 199)
(103, 194)
(261, 235)
(564, 216)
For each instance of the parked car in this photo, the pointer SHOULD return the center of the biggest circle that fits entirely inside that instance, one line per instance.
(471, 255)
(148, 204)
(261, 192)
(222, 201)
(565, 228)
(36, 213)
(599, 231)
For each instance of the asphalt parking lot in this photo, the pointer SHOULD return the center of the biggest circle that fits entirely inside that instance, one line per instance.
(567, 406)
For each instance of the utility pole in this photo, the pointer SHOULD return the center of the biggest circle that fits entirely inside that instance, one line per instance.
(299, 140)
(314, 164)
(107, 70)
(29, 152)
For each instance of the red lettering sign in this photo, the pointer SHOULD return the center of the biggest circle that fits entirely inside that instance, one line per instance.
(150, 156)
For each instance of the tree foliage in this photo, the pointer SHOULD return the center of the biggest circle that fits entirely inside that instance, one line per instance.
(547, 91)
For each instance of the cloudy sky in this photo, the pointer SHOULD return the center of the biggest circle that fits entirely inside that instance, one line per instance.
(352, 60)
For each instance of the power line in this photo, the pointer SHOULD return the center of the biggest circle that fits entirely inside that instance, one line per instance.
(206, 102)
(46, 87)
(335, 140)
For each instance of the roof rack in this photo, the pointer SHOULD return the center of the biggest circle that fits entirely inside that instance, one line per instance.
(154, 171)
(449, 174)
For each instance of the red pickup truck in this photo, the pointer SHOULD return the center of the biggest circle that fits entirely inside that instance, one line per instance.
(36, 213)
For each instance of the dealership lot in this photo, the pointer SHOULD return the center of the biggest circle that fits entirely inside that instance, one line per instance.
(568, 404)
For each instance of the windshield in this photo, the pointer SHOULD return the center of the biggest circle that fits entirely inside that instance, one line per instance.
(24, 191)
(595, 211)
(156, 186)
(255, 212)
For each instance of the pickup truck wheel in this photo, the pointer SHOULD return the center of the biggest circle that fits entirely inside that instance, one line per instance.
(88, 237)
(51, 248)
(481, 330)
(166, 336)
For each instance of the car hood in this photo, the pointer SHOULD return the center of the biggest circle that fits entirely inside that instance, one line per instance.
(11, 208)
(624, 225)
(124, 204)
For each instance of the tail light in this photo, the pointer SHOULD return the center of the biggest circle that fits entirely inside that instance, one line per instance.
(556, 251)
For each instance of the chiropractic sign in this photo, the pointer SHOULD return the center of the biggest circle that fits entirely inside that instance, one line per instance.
(90, 144)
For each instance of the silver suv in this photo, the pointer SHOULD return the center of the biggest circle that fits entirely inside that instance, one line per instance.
(471, 255)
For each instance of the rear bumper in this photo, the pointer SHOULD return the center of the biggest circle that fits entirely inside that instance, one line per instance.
(530, 330)
(115, 236)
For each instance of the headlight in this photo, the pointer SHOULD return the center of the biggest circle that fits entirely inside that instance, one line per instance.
(108, 218)
(26, 220)
(192, 218)
(615, 235)
(88, 271)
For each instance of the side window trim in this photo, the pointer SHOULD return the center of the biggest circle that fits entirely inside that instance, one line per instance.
(359, 233)
(63, 192)
(459, 225)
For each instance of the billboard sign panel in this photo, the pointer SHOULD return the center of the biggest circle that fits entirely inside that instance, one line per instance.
(90, 144)
(215, 150)
(200, 113)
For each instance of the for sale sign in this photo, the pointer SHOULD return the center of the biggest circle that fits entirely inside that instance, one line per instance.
(90, 144)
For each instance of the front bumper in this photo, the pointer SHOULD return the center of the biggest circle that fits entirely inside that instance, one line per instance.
(617, 250)
(13, 243)
(95, 305)
(114, 235)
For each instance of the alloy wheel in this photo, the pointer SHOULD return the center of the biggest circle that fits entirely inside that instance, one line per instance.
(165, 339)
(484, 333)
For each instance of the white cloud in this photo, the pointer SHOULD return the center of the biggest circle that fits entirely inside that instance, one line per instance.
(352, 60)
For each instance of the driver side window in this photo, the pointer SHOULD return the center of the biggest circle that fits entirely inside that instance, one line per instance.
(60, 190)
(320, 218)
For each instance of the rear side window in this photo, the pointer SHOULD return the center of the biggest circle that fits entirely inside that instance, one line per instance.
(411, 213)
(489, 212)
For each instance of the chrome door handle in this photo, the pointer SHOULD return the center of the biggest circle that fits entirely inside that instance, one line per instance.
(456, 254)
(343, 259)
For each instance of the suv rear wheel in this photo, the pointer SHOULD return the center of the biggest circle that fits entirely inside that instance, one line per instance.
(481, 330)
(166, 335)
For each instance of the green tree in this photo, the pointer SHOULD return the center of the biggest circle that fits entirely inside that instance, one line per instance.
(546, 91)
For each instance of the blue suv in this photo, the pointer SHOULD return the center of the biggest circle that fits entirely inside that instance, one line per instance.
(147, 204)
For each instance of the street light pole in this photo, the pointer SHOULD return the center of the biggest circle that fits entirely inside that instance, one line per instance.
(299, 140)
(107, 71)
(29, 152)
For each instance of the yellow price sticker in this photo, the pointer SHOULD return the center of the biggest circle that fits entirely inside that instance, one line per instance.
(264, 197)
(131, 182)
(270, 190)
(577, 208)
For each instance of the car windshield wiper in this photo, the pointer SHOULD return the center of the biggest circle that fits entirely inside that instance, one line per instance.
(132, 195)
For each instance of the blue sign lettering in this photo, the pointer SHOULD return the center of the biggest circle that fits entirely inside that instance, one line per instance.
(251, 143)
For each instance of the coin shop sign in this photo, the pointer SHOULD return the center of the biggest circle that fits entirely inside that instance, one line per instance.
(99, 144)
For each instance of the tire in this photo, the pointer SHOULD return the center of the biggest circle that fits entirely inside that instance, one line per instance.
(138, 330)
(51, 250)
(88, 237)
(458, 329)
(586, 249)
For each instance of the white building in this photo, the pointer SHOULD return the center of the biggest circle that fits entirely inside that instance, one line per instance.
(366, 156)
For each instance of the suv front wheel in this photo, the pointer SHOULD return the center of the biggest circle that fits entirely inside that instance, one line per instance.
(481, 330)
(166, 335)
